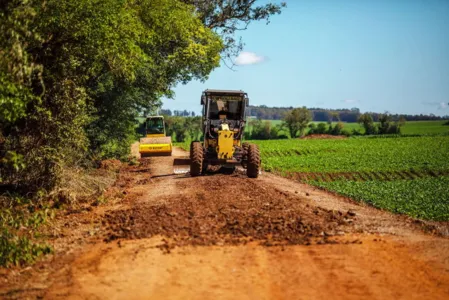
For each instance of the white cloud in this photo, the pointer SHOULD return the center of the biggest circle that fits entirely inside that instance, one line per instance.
(248, 58)
(351, 101)
(439, 105)
(443, 105)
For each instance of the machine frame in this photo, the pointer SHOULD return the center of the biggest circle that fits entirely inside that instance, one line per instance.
(222, 143)
(155, 143)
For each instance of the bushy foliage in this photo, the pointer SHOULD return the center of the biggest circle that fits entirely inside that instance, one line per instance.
(184, 129)
(75, 74)
(297, 120)
(264, 130)
(385, 125)
(322, 128)
(19, 218)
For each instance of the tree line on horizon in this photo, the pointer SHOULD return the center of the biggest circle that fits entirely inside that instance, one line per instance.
(351, 115)
(325, 115)
(297, 122)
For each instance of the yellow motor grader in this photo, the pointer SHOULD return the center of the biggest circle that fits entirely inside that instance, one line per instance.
(155, 142)
(223, 126)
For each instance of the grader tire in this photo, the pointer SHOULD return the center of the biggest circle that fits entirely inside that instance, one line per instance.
(245, 147)
(191, 148)
(253, 161)
(196, 159)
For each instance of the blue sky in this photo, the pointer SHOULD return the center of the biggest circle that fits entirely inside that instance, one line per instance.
(375, 55)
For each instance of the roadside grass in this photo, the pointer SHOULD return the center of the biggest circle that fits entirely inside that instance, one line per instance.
(22, 217)
(184, 145)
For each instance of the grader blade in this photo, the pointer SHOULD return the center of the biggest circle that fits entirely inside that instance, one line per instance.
(181, 165)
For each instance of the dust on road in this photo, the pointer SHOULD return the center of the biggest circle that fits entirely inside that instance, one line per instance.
(231, 237)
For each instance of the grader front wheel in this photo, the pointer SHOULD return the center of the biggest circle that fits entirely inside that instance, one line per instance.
(253, 161)
(196, 159)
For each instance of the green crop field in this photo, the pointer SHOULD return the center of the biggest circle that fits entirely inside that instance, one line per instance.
(403, 174)
(411, 127)
(425, 127)
(426, 198)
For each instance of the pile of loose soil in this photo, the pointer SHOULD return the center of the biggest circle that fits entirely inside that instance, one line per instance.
(228, 210)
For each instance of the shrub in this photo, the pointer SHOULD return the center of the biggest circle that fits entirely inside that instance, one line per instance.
(19, 220)
(336, 130)
(346, 132)
(321, 128)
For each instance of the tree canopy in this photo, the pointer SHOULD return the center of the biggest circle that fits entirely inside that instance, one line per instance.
(75, 74)
(297, 120)
(227, 17)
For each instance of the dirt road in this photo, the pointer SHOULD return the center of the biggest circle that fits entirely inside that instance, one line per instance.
(225, 236)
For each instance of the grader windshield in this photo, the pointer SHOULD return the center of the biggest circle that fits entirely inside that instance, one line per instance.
(231, 106)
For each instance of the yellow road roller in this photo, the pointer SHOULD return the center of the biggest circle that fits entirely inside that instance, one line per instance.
(156, 142)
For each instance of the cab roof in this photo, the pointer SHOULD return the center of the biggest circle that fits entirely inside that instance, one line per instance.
(225, 92)
(155, 117)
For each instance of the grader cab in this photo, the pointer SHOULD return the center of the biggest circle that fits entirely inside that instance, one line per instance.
(223, 127)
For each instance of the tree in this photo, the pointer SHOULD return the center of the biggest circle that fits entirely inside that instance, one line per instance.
(85, 70)
(297, 120)
(386, 125)
(337, 129)
(226, 17)
(166, 112)
(366, 120)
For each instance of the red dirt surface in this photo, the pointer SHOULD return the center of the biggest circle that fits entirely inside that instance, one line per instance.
(166, 236)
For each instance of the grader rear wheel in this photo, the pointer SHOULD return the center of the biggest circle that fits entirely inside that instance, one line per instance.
(253, 161)
(196, 156)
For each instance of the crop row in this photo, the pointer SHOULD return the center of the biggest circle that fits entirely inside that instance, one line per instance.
(404, 175)
(425, 198)
(363, 176)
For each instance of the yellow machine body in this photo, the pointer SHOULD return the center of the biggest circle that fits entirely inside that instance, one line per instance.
(225, 147)
(155, 148)
(155, 135)
(223, 127)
